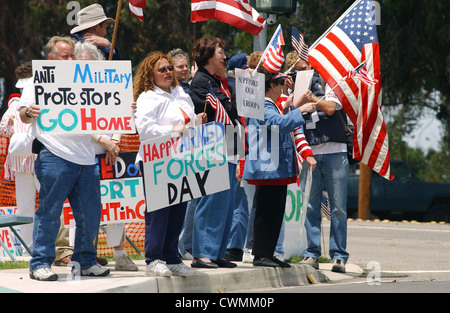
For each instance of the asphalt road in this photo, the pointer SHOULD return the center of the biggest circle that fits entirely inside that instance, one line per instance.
(398, 257)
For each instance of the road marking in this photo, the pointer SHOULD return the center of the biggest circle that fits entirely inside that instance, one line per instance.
(415, 272)
(399, 228)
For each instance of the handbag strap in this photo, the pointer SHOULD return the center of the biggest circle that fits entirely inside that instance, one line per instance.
(347, 129)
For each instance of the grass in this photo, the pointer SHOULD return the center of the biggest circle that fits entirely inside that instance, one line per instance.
(9, 265)
(297, 259)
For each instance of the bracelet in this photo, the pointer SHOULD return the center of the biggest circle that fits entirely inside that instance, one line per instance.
(28, 114)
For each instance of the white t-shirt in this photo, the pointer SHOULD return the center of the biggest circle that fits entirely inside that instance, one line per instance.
(330, 147)
(158, 111)
(74, 148)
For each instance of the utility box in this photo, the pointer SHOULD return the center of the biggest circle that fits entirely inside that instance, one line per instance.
(274, 6)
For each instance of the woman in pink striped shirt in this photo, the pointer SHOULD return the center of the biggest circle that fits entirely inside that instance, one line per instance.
(17, 168)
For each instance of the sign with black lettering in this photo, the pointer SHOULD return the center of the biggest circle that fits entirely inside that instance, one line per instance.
(250, 94)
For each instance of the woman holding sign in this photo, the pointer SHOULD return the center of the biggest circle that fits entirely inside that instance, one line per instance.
(162, 108)
(274, 168)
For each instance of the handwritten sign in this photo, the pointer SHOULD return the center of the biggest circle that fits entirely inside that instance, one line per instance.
(80, 97)
(250, 94)
(178, 169)
(121, 190)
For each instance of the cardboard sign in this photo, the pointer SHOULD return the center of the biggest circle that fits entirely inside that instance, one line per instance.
(83, 97)
(250, 94)
(178, 169)
(121, 190)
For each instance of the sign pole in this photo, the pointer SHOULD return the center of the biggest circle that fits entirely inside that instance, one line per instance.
(116, 24)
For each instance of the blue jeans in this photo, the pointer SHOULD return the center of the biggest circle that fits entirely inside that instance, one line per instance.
(240, 219)
(212, 221)
(185, 241)
(330, 174)
(59, 180)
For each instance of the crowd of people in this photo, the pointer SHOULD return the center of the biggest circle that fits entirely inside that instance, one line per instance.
(243, 223)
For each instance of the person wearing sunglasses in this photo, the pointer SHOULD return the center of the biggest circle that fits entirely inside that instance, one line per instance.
(162, 108)
(275, 166)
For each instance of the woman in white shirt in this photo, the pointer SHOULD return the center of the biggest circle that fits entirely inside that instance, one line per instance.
(162, 108)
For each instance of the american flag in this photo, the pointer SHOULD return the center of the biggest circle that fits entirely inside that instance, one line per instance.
(273, 57)
(299, 45)
(361, 73)
(137, 8)
(237, 13)
(351, 40)
(221, 115)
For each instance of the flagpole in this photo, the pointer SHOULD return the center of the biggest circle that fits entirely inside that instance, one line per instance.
(116, 24)
(337, 21)
(343, 79)
(265, 51)
(290, 69)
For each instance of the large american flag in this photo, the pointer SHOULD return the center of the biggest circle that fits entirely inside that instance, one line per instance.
(221, 115)
(351, 40)
(273, 57)
(137, 8)
(238, 13)
(299, 45)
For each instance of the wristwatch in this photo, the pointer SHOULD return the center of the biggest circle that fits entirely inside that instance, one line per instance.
(28, 114)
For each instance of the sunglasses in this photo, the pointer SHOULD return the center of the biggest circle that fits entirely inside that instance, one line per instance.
(165, 68)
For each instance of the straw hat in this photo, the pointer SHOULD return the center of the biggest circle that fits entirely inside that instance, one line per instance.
(90, 16)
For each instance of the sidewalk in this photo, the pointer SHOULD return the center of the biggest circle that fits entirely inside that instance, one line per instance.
(244, 277)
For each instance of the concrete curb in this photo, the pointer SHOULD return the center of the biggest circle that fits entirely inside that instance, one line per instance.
(242, 278)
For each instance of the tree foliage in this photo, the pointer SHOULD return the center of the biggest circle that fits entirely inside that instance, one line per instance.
(414, 37)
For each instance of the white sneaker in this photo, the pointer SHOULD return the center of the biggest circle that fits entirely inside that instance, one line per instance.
(124, 263)
(44, 274)
(187, 256)
(247, 257)
(311, 261)
(181, 269)
(95, 270)
(158, 268)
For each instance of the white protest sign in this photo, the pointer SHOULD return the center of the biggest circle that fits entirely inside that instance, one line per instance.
(250, 94)
(83, 97)
(302, 83)
(178, 169)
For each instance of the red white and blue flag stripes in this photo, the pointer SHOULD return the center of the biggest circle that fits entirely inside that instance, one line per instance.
(273, 57)
(221, 115)
(238, 13)
(137, 8)
(351, 40)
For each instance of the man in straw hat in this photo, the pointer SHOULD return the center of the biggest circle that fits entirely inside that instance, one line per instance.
(92, 24)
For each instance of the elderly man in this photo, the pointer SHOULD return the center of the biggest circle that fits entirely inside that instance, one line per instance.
(65, 169)
(92, 25)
